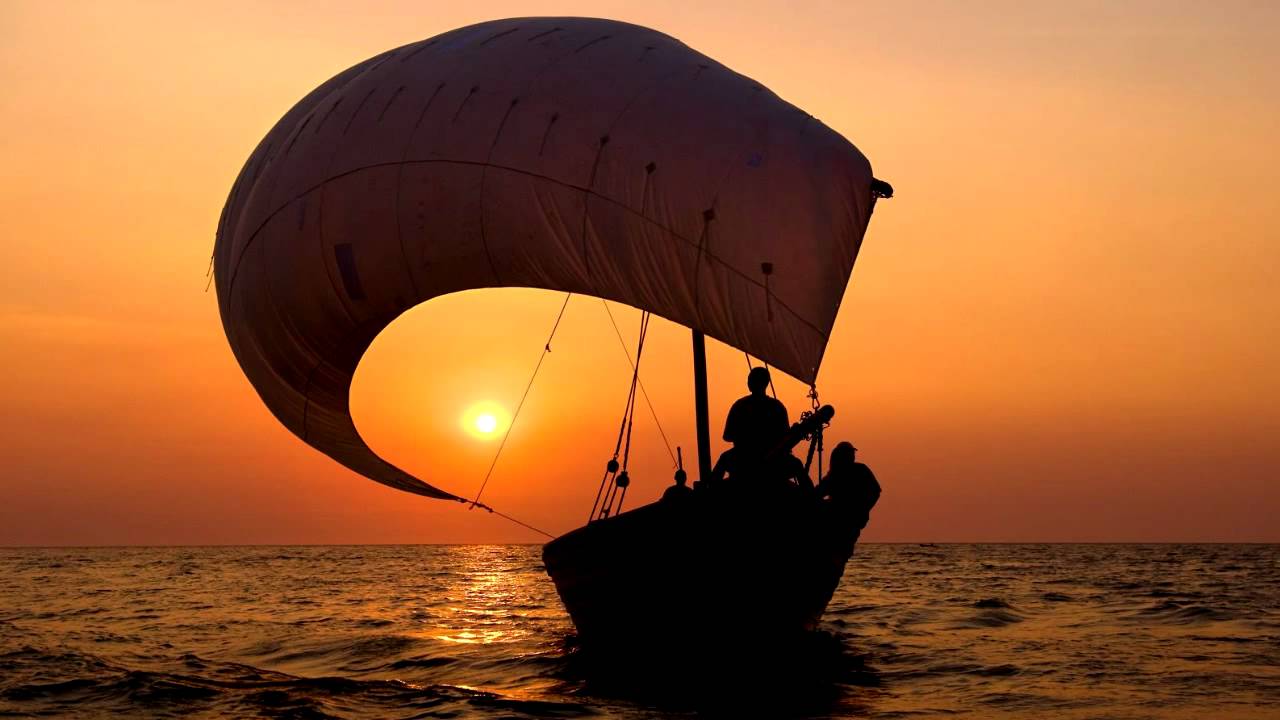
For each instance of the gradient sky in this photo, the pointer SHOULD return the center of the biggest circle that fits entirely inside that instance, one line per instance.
(1066, 327)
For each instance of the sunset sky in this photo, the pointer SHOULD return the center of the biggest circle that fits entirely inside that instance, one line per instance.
(1065, 327)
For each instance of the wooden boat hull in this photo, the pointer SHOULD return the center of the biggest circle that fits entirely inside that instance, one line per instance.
(710, 571)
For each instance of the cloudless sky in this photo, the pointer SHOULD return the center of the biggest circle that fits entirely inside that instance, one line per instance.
(1066, 327)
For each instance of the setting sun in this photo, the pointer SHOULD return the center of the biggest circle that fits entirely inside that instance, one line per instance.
(485, 419)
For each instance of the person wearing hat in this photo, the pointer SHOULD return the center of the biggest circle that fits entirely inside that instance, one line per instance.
(850, 487)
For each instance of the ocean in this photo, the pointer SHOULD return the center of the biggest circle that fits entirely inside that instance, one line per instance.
(957, 631)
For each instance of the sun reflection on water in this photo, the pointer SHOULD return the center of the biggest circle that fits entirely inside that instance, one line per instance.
(490, 601)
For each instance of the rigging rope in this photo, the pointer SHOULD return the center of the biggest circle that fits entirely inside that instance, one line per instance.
(635, 380)
(546, 348)
(608, 492)
(815, 443)
(750, 367)
(209, 274)
(622, 480)
(505, 516)
(653, 413)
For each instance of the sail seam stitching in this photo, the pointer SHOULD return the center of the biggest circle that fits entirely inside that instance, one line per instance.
(341, 92)
(589, 190)
(670, 231)
(404, 255)
(484, 176)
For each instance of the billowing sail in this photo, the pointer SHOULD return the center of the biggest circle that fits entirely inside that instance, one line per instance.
(571, 154)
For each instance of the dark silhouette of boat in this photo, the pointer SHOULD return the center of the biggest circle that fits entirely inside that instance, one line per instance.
(585, 156)
(704, 570)
(737, 563)
(726, 566)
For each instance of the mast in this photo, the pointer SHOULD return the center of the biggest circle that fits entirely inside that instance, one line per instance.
(700, 405)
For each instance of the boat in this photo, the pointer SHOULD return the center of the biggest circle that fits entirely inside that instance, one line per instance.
(590, 157)
(704, 572)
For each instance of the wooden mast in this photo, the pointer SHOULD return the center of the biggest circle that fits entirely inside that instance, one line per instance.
(700, 405)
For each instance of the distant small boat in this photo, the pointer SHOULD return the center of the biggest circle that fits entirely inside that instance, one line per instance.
(590, 157)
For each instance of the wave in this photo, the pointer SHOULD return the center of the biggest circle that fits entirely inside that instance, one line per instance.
(989, 619)
(348, 653)
(426, 661)
(1179, 613)
(201, 686)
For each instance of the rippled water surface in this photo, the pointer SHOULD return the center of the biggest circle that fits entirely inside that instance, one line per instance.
(1076, 631)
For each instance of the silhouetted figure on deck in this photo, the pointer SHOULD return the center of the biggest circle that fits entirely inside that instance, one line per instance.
(791, 470)
(680, 490)
(755, 425)
(756, 422)
(850, 487)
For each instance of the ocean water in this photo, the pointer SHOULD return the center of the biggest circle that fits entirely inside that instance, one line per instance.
(1017, 631)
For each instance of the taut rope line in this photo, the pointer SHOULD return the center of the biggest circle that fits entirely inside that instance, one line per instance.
(546, 348)
(653, 413)
(505, 516)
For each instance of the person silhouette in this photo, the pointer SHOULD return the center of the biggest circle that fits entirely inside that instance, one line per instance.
(850, 487)
(790, 469)
(755, 425)
(680, 490)
(756, 422)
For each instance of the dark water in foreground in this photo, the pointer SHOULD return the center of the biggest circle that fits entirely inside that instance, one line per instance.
(1075, 631)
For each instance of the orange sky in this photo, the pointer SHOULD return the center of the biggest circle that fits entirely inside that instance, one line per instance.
(1065, 327)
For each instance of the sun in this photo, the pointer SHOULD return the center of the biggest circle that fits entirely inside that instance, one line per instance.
(485, 420)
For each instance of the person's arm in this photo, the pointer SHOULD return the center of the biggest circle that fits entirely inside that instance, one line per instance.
(823, 488)
(721, 467)
(802, 475)
(731, 423)
(870, 488)
(784, 418)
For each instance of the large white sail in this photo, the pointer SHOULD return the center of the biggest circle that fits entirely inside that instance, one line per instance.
(571, 154)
